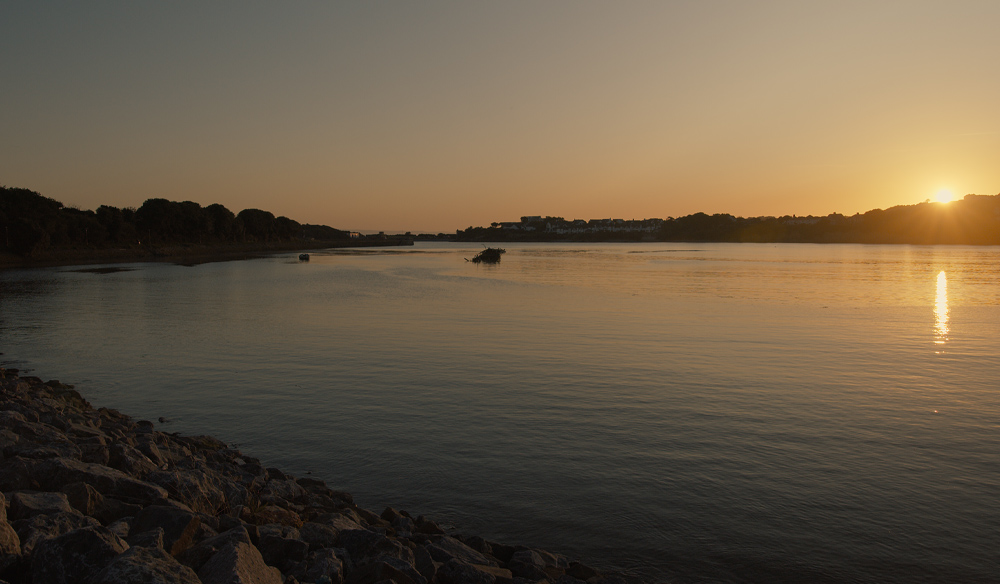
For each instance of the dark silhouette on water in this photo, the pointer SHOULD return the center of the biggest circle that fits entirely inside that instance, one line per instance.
(490, 255)
(37, 230)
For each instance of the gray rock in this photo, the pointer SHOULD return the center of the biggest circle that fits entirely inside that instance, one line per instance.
(148, 447)
(144, 565)
(581, 571)
(121, 527)
(200, 553)
(447, 548)
(428, 527)
(40, 440)
(193, 488)
(320, 535)
(10, 543)
(95, 450)
(424, 563)
(24, 505)
(151, 539)
(389, 568)
(343, 519)
(280, 544)
(130, 461)
(52, 474)
(320, 564)
(179, 526)
(362, 544)
(110, 510)
(42, 527)
(528, 564)
(238, 563)
(75, 557)
(281, 489)
(202, 443)
(83, 497)
(455, 571)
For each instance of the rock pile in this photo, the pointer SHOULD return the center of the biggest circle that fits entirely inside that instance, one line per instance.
(91, 496)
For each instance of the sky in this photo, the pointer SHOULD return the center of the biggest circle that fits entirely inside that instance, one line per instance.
(435, 116)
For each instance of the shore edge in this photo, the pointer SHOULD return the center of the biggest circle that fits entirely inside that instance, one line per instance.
(91, 495)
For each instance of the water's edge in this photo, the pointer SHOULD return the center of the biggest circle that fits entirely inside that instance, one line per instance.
(189, 505)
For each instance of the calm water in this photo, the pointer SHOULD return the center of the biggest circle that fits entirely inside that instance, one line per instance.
(693, 412)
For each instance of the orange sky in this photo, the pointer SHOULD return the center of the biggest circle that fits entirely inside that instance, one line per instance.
(434, 116)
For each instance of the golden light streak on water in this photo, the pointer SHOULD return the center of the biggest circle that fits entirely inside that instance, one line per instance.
(941, 310)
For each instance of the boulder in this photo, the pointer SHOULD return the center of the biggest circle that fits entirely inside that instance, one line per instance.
(321, 535)
(318, 565)
(42, 527)
(341, 520)
(424, 563)
(130, 461)
(196, 443)
(282, 489)
(200, 553)
(94, 449)
(75, 557)
(455, 571)
(238, 563)
(25, 504)
(83, 497)
(279, 545)
(581, 571)
(52, 474)
(389, 568)
(528, 564)
(151, 539)
(110, 510)
(193, 488)
(179, 526)
(121, 527)
(446, 548)
(427, 527)
(40, 440)
(274, 514)
(362, 544)
(145, 565)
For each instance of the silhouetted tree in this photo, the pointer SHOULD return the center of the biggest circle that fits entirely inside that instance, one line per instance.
(257, 225)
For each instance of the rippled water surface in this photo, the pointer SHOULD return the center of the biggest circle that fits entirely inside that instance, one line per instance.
(693, 412)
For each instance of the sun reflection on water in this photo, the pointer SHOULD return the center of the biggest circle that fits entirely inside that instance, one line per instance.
(941, 310)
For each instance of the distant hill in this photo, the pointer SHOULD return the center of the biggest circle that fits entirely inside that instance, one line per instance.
(32, 225)
(974, 220)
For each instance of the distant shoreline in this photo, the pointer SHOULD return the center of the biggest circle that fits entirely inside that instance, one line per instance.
(181, 253)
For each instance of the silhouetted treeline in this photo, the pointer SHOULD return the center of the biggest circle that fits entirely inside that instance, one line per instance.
(32, 223)
(974, 220)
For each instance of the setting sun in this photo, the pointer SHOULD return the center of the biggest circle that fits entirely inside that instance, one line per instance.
(943, 196)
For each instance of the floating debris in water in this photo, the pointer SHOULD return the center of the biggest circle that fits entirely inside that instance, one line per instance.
(490, 255)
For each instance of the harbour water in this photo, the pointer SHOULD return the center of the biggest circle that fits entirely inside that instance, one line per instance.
(690, 412)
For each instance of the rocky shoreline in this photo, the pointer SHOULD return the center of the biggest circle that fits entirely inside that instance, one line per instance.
(91, 496)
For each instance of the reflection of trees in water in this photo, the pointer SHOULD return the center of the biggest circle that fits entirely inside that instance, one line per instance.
(14, 290)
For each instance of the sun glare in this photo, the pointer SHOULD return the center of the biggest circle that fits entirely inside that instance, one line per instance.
(943, 196)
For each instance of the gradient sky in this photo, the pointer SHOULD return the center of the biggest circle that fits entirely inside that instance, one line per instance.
(434, 116)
